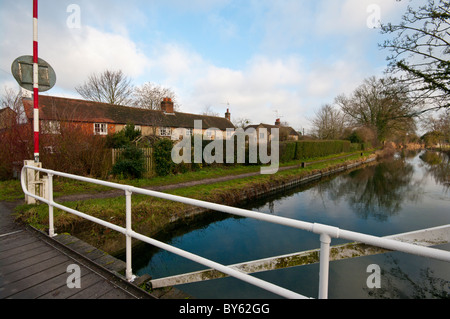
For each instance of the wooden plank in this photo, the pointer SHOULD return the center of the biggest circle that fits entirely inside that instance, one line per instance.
(12, 241)
(64, 292)
(54, 282)
(44, 288)
(9, 289)
(25, 255)
(35, 268)
(31, 268)
(94, 291)
(27, 262)
(20, 249)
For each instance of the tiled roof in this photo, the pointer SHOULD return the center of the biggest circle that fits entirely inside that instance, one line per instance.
(63, 109)
(288, 129)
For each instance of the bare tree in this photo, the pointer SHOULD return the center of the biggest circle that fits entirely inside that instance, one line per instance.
(112, 87)
(240, 122)
(380, 104)
(208, 110)
(439, 124)
(150, 96)
(16, 138)
(420, 50)
(329, 123)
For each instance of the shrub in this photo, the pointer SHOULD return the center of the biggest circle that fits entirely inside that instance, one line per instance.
(162, 153)
(75, 151)
(122, 138)
(131, 163)
(16, 146)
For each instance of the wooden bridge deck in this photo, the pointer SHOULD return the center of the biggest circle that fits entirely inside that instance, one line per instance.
(33, 266)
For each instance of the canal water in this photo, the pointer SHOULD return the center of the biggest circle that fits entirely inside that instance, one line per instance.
(408, 192)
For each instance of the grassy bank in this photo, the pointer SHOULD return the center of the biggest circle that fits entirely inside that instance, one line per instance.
(153, 215)
(12, 191)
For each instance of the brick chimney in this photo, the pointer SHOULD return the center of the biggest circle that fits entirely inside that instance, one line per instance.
(228, 115)
(167, 105)
(278, 122)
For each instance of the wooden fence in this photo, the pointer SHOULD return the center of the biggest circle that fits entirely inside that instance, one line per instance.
(148, 159)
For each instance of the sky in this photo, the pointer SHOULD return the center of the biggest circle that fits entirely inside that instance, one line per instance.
(262, 59)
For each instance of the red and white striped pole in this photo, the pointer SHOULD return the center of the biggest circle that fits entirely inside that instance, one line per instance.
(35, 82)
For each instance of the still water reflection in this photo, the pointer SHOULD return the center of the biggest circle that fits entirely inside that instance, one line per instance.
(405, 193)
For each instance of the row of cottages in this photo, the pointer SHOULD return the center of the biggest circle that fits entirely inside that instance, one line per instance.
(104, 119)
(263, 132)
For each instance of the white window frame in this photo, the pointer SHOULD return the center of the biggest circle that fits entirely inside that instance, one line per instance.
(165, 131)
(100, 129)
(189, 132)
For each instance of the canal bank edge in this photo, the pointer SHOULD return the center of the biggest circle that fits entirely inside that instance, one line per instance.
(257, 194)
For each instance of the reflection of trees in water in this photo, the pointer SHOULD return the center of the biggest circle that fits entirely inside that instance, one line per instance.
(437, 164)
(376, 191)
(397, 284)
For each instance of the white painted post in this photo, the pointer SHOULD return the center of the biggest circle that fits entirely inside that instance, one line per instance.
(325, 241)
(128, 273)
(32, 179)
(51, 229)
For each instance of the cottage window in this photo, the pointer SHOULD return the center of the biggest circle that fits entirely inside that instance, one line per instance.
(100, 129)
(51, 127)
(165, 131)
(189, 132)
(261, 135)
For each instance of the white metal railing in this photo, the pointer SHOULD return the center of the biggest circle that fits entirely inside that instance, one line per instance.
(326, 232)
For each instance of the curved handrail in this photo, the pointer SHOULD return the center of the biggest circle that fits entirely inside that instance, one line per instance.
(326, 232)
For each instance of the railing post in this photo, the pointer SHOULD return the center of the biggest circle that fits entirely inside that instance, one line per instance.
(51, 229)
(128, 272)
(325, 241)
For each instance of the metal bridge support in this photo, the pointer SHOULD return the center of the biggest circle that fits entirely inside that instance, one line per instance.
(325, 241)
(34, 183)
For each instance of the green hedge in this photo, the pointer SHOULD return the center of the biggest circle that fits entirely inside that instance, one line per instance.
(290, 151)
(287, 151)
(354, 147)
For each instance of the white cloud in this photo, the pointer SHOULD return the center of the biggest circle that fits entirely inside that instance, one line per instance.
(262, 87)
(173, 63)
(88, 50)
(352, 16)
(255, 92)
(74, 53)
